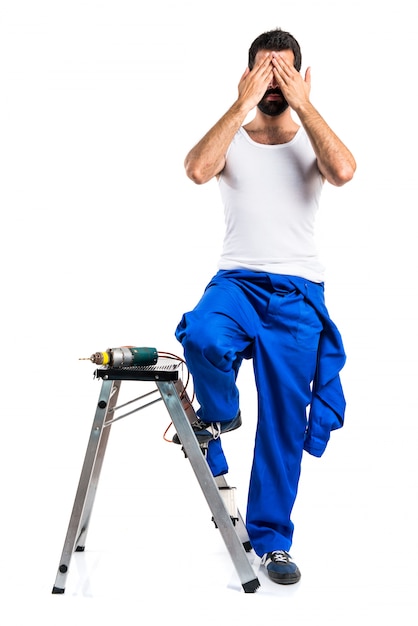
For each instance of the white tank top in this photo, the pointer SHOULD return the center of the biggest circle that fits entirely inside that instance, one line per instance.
(271, 195)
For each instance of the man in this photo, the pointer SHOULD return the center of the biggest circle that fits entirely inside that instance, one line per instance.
(266, 302)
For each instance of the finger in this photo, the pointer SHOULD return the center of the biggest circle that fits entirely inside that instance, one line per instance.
(247, 71)
(261, 73)
(282, 65)
(308, 77)
(281, 76)
(263, 63)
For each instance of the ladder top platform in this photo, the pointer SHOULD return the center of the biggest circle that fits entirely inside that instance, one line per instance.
(164, 369)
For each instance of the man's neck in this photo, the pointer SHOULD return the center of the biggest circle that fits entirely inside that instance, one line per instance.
(270, 130)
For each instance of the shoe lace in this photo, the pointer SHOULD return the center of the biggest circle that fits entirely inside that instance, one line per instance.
(214, 428)
(277, 556)
(280, 556)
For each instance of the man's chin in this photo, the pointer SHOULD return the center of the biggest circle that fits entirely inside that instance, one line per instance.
(272, 108)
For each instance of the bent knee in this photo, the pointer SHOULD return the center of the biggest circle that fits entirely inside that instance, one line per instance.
(203, 337)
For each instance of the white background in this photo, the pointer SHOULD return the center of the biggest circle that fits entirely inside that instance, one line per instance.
(105, 242)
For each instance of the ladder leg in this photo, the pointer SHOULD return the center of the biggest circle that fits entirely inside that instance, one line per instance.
(170, 394)
(89, 478)
(221, 481)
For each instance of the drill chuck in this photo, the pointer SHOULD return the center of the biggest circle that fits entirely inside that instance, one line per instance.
(125, 357)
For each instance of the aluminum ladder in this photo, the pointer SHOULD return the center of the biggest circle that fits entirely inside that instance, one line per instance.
(170, 389)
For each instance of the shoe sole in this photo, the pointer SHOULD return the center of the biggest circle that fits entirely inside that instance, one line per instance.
(283, 580)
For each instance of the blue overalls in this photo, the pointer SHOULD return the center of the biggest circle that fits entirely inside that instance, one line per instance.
(282, 324)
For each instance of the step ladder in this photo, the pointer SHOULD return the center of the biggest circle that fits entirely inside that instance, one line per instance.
(171, 390)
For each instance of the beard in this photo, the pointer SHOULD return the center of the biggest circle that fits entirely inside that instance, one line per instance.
(272, 108)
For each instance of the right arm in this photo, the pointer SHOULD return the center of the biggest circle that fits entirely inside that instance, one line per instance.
(207, 158)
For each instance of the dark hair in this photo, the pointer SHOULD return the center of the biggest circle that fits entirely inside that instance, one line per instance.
(277, 40)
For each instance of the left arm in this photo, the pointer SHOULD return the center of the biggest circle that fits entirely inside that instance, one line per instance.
(335, 161)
